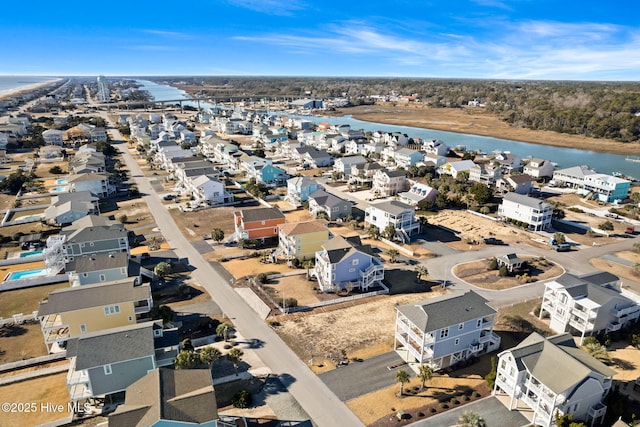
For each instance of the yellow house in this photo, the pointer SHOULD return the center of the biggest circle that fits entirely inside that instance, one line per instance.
(70, 312)
(302, 240)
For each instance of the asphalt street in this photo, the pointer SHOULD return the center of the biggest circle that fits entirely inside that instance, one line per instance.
(317, 400)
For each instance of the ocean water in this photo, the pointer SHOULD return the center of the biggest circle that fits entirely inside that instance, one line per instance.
(14, 82)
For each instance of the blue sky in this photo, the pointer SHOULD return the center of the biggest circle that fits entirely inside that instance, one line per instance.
(517, 39)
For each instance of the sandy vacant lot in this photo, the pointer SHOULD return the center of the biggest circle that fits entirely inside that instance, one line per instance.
(360, 329)
(478, 274)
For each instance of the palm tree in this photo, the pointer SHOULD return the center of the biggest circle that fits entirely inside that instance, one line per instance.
(223, 330)
(235, 356)
(185, 360)
(308, 265)
(210, 355)
(471, 419)
(393, 255)
(402, 377)
(425, 373)
(598, 351)
(421, 271)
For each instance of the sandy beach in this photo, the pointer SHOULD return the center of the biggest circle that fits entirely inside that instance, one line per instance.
(25, 89)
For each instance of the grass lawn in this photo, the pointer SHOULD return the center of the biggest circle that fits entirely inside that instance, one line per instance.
(51, 389)
(25, 300)
(202, 222)
(18, 342)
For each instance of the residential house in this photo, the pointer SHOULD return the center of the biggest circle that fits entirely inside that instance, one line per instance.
(101, 267)
(362, 174)
(332, 207)
(551, 376)
(588, 304)
(435, 148)
(109, 361)
(573, 176)
(509, 163)
(260, 223)
(97, 183)
(455, 168)
(395, 213)
(487, 173)
(301, 240)
(208, 189)
(606, 188)
(524, 209)
(50, 153)
(510, 261)
(539, 168)
(66, 208)
(53, 137)
(71, 312)
(388, 183)
(316, 158)
(170, 398)
(521, 184)
(299, 188)
(346, 264)
(443, 331)
(343, 165)
(419, 195)
(98, 134)
(406, 157)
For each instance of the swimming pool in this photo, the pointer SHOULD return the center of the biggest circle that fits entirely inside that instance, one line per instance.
(31, 253)
(61, 181)
(26, 274)
(59, 189)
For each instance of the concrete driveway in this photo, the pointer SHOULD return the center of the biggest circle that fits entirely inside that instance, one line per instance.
(359, 378)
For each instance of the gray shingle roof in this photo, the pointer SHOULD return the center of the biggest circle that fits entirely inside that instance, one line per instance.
(183, 395)
(527, 201)
(261, 214)
(393, 207)
(99, 261)
(112, 345)
(323, 198)
(437, 313)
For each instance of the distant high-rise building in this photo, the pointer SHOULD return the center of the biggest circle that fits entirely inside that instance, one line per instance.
(103, 90)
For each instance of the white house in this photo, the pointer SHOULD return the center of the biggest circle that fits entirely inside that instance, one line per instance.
(97, 183)
(208, 189)
(418, 195)
(443, 331)
(400, 215)
(53, 136)
(539, 168)
(573, 176)
(388, 183)
(587, 304)
(454, 168)
(551, 376)
(435, 147)
(534, 212)
(343, 164)
(406, 157)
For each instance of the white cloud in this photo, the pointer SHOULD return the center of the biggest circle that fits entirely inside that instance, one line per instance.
(271, 7)
(168, 34)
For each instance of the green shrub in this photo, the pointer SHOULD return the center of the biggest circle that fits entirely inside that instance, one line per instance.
(241, 399)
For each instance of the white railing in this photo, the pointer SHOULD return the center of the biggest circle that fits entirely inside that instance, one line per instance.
(18, 319)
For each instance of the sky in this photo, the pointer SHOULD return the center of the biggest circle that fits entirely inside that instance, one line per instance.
(477, 39)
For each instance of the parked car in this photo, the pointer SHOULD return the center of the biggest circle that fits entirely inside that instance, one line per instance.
(493, 241)
(169, 197)
(562, 247)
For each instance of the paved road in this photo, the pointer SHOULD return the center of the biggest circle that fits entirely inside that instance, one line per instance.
(322, 406)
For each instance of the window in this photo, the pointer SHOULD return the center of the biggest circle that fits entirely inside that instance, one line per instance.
(460, 326)
(352, 270)
(457, 342)
(479, 323)
(130, 318)
(111, 309)
(263, 223)
(103, 278)
(444, 332)
(157, 332)
(503, 364)
(355, 262)
(83, 328)
(107, 369)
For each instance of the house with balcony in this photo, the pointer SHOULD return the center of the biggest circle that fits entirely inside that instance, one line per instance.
(66, 208)
(508, 162)
(419, 195)
(605, 188)
(301, 240)
(400, 215)
(406, 157)
(97, 183)
(69, 312)
(260, 223)
(362, 174)
(101, 267)
(583, 305)
(94, 234)
(171, 398)
(446, 330)
(486, 173)
(332, 207)
(525, 209)
(539, 168)
(208, 189)
(521, 184)
(299, 188)
(435, 148)
(388, 183)
(53, 137)
(550, 376)
(572, 177)
(343, 165)
(346, 264)
(109, 361)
